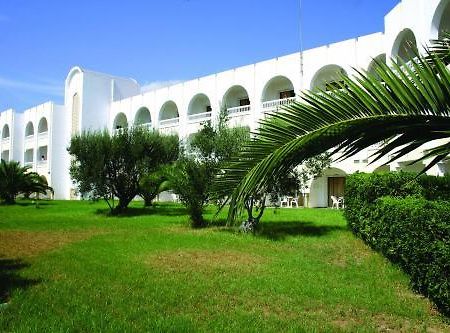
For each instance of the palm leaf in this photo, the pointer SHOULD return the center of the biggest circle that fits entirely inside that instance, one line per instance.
(408, 102)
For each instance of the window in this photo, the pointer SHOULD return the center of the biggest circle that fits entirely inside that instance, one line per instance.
(287, 94)
(244, 102)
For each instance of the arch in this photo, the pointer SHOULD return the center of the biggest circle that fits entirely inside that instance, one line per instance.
(143, 117)
(169, 110)
(5, 132)
(322, 188)
(328, 78)
(372, 69)
(236, 96)
(43, 125)
(200, 103)
(441, 19)
(29, 129)
(120, 121)
(405, 45)
(279, 87)
(71, 74)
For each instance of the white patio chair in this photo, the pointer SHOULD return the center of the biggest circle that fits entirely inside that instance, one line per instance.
(294, 201)
(284, 201)
(335, 202)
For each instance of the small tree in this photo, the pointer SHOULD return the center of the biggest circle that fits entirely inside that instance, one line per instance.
(15, 180)
(109, 167)
(192, 178)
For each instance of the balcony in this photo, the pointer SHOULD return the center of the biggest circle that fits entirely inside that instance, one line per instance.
(145, 126)
(43, 136)
(239, 110)
(198, 117)
(271, 106)
(169, 122)
(6, 142)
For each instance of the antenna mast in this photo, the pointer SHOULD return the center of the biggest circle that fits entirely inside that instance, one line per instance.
(301, 44)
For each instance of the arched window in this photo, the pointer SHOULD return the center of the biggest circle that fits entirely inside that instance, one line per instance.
(29, 129)
(372, 69)
(278, 88)
(441, 19)
(5, 132)
(168, 115)
(199, 107)
(328, 78)
(120, 121)
(143, 117)
(43, 126)
(405, 46)
(236, 100)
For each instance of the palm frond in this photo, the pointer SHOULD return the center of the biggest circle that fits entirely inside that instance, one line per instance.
(410, 102)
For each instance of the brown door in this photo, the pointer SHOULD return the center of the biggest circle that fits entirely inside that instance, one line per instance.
(336, 188)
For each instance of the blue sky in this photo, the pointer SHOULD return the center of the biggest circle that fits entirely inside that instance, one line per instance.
(156, 41)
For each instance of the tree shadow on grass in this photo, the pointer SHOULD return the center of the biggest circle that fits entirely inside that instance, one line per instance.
(278, 231)
(10, 278)
(164, 210)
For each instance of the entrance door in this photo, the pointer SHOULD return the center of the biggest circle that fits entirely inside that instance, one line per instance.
(335, 187)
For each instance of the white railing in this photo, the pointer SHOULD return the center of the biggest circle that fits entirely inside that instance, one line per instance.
(169, 122)
(28, 163)
(42, 136)
(146, 125)
(5, 141)
(199, 116)
(42, 163)
(275, 104)
(238, 110)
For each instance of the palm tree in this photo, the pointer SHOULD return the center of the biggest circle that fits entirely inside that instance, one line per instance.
(405, 105)
(15, 180)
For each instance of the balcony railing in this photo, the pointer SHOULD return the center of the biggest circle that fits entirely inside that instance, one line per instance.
(28, 163)
(238, 110)
(43, 135)
(169, 122)
(275, 104)
(6, 141)
(193, 118)
(146, 125)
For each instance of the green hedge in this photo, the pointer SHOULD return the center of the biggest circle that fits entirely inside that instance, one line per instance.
(410, 230)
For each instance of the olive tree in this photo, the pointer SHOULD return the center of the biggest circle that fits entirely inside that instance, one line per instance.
(111, 166)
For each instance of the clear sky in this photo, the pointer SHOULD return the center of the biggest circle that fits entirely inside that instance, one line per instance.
(157, 41)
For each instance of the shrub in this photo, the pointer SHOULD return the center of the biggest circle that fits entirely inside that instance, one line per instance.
(415, 234)
(394, 214)
(362, 190)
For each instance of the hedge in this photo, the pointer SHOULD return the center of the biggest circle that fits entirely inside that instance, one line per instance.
(410, 230)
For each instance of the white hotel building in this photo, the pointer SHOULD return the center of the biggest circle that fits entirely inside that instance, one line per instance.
(40, 135)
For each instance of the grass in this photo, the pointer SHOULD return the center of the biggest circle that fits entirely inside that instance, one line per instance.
(66, 267)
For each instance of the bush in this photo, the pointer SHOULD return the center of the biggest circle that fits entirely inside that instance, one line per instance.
(415, 234)
(362, 190)
(394, 214)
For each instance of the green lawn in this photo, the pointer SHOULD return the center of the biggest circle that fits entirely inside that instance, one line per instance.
(67, 268)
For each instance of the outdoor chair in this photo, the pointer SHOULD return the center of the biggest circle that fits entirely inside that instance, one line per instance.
(335, 202)
(284, 201)
(294, 201)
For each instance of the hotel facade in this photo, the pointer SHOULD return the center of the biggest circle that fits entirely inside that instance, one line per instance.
(39, 136)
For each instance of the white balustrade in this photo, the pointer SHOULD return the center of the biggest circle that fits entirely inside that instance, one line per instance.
(275, 104)
(236, 111)
(169, 122)
(199, 116)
